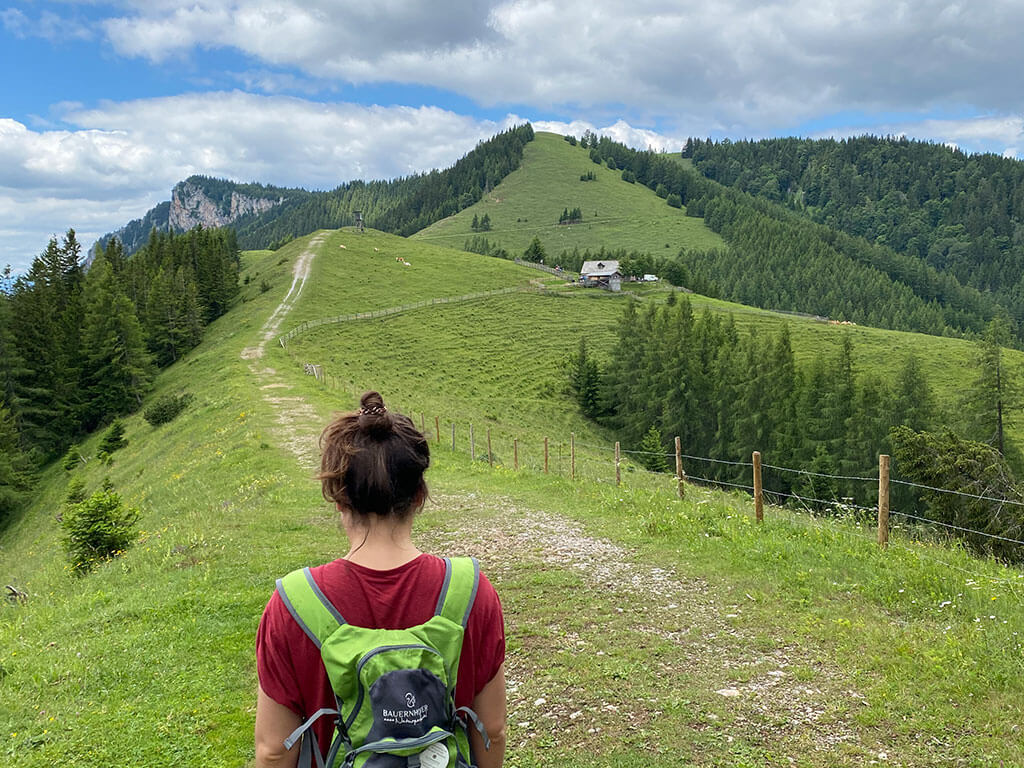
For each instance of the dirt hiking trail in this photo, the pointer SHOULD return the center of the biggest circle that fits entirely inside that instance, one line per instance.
(297, 425)
(690, 628)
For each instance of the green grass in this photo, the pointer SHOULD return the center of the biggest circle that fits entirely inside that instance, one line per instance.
(500, 362)
(528, 202)
(149, 660)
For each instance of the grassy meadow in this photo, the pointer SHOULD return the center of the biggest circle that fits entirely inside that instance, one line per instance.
(500, 362)
(528, 202)
(642, 630)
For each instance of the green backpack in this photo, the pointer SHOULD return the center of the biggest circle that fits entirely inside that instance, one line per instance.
(395, 688)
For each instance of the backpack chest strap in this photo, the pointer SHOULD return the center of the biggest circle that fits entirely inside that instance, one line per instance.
(308, 606)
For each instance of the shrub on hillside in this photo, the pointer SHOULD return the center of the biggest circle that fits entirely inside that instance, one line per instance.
(72, 458)
(166, 408)
(113, 439)
(97, 528)
(674, 200)
(652, 451)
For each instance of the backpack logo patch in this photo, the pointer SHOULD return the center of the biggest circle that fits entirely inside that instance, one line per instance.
(405, 716)
(410, 699)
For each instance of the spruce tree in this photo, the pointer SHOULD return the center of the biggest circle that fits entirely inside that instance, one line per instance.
(16, 471)
(118, 369)
(535, 251)
(994, 396)
(652, 451)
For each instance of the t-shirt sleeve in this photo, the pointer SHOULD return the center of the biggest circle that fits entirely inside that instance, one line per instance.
(274, 665)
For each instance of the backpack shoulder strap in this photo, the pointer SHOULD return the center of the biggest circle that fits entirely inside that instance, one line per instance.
(461, 579)
(308, 606)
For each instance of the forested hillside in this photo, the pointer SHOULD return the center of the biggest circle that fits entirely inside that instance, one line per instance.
(401, 206)
(79, 348)
(778, 259)
(959, 214)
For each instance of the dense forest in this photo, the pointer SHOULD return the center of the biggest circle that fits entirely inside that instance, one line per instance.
(727, 394)
(961, 215)
(402, 206)
(79, 348)
(780, 259)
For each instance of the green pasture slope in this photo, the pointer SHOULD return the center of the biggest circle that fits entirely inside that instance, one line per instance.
(528, 202)
(642, 630)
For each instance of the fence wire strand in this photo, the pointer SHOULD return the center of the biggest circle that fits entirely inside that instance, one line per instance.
(819, 474)
(719, 482)
(959, 493)
(716, 461)
(805, 499)
(958, 528)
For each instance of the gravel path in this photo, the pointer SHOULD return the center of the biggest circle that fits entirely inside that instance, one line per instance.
(297, 426)
(770, 702)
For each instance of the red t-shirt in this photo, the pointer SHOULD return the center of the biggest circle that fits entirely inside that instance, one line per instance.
(288, 663)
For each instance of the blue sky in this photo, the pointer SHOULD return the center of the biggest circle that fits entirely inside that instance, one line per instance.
(104, 106)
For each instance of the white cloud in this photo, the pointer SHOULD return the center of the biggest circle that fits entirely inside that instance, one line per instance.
(48, 25)
(734, 65)
(117, 160)
(997, 134)
(620, 131)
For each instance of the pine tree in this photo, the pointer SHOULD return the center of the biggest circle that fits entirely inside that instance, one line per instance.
(994, 397)
(16, 471)
(913, 401)
(535, 251)
(34, 327)
(585, 380)
(652, 451)
(118, 368)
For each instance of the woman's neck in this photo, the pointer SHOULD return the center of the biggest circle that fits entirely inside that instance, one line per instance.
(380, 545)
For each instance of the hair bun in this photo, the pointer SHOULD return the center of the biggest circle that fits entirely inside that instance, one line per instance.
(373, 415)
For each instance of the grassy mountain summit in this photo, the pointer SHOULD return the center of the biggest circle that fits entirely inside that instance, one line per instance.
(616, 215)
(642, 630)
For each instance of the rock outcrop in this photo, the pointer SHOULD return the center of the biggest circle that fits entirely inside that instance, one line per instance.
(191, 206)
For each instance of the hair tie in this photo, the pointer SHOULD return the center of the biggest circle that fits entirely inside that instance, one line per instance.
(373, 410)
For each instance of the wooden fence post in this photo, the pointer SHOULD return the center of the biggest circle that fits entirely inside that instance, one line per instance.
(472, 444)
(758, 491)
(490, 455)
(572, 456)
(453, 436)
(883, 501)
(680, 475)
(437, 430)
(618, 472)
(423, 426)
(545, 455)
(515, 453)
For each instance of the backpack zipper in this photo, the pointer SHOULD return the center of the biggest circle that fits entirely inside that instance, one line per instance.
(385, 745)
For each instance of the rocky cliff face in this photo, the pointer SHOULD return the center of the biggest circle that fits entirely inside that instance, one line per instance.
(191, 206)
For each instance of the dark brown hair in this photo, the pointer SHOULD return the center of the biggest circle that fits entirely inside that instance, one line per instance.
(372, 461)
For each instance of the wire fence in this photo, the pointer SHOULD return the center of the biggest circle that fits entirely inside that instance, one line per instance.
(501, 446)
